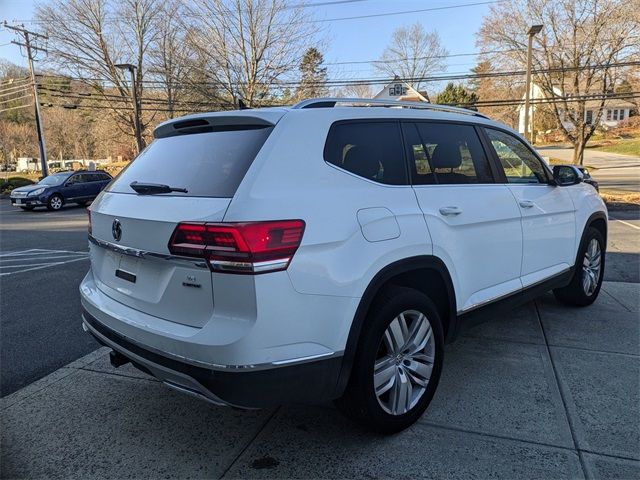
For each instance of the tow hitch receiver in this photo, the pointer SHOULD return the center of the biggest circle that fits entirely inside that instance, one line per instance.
(117, 359)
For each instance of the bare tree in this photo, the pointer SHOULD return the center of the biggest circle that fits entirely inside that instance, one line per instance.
(491, 88)
(579, 42)
(169, 56)
(88, 38)
(245, 47)
(412, 55)
(359, 90)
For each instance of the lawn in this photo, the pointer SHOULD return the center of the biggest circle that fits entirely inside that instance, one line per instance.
(627, 146)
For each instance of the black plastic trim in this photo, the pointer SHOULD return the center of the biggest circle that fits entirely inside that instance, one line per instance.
(309, 382)
(493, 309)
(381, 278)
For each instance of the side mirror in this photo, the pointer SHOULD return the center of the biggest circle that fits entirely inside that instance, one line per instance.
(565, 175)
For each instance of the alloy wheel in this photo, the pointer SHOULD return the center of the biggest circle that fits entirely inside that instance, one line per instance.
(591, 266)
(404, 362)
(56, 203)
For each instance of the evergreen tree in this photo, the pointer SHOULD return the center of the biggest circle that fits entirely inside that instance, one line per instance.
(457, 95)
(313, 76)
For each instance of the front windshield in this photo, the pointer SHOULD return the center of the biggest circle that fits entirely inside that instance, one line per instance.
(54, 180)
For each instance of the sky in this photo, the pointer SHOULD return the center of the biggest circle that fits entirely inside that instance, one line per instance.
(344, 40)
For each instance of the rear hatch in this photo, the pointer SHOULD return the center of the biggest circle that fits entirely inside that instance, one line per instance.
(205, 159)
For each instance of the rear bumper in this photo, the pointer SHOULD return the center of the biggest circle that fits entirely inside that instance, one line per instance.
(309, 382)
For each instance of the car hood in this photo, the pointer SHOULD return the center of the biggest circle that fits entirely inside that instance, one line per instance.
(28, 188)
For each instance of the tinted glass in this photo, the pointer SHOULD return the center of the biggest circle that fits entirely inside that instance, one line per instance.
(54, 180)
(209, 164)
(372, 150)
(446, 153)
(519, 163)
(77, 178)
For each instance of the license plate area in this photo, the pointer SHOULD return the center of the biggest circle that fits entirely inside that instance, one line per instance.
(128, 276)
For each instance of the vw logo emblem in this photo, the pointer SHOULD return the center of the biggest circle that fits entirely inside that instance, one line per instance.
(116, 230)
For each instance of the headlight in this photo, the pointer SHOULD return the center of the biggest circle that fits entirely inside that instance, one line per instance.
(37, 191)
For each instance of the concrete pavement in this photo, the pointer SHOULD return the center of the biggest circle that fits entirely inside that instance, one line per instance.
(614, 171)
(547, 392)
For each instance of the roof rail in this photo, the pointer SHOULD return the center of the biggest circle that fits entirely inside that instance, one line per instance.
(330, 102)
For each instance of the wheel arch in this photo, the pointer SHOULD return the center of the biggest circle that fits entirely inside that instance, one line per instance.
(597, 220)
(427, 274)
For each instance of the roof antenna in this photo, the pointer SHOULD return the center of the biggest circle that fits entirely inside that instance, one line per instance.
(242, 105)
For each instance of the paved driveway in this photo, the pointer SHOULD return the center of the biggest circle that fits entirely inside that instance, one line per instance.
(614, 171)
(546, 392)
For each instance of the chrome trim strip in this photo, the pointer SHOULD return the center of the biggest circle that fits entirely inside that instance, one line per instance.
(498, 297)
(303, 359)
(248, 267)
(134, 252)
(214, 366)
(215, 400)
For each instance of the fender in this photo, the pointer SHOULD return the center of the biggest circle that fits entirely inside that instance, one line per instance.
(600, 215)
(379, 280)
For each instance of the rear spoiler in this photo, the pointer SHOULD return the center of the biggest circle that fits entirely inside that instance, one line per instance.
(212, 122)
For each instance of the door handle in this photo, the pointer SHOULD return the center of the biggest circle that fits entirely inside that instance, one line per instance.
(526, 203)
(448, 211)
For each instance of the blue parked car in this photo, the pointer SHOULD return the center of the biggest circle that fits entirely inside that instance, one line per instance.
(54, 191)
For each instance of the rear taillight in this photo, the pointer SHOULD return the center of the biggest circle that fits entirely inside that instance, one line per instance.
(252, 247)
(89, 227)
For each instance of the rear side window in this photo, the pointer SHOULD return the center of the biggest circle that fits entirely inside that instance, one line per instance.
(372, 150)
(443, 153)
(209, 164)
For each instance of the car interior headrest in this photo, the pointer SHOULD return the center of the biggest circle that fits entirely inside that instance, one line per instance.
(446, 155)
(362, 160)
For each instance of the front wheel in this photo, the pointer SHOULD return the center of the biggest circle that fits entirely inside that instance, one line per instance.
(55, 202)
(398, 362)
(589, 272)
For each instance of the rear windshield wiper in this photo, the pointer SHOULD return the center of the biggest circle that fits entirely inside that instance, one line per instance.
(153, 188)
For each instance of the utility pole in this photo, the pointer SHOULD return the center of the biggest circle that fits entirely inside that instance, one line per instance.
(136, 106)
(26, 34)
(528, 132)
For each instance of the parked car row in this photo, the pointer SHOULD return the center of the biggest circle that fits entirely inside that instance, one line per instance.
(52, 192)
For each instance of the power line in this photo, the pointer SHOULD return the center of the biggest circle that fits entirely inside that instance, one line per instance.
(480, 103)
(380, 80)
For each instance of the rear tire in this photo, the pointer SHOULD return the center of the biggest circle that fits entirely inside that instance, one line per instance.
(405, 367)
(589, 271)
(55, 202)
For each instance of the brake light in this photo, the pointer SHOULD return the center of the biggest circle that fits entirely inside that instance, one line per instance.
(252, 247)
(89, 227)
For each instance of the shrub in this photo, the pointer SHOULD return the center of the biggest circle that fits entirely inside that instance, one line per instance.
(6, 186)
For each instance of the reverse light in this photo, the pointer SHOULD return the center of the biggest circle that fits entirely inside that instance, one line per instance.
(250, 247)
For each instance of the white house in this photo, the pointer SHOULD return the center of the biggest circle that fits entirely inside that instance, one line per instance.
(615, 110)
(401, 91)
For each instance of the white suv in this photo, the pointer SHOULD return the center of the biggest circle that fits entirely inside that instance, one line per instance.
(329, 250)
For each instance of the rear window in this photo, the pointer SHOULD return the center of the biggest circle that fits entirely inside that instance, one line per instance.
(209, 164)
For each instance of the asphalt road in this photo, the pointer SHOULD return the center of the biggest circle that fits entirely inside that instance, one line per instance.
(612, 171)
(43, 260)
(40, 271)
